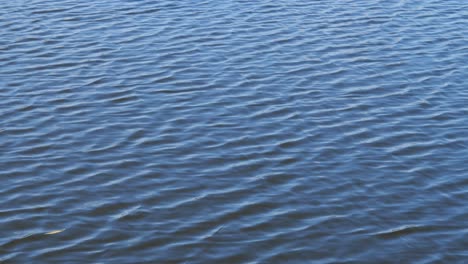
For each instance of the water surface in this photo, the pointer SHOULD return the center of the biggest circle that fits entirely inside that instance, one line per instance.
(285, 131)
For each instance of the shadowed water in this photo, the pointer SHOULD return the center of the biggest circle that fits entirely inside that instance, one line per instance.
(287, 131)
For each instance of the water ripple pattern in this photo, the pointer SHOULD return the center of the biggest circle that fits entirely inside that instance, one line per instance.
(285, 131)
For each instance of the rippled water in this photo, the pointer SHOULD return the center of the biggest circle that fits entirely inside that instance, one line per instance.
(287, 131)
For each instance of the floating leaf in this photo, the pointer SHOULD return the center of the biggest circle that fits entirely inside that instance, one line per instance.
(55, 232)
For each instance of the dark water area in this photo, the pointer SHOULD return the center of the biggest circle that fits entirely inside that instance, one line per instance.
(287, 131)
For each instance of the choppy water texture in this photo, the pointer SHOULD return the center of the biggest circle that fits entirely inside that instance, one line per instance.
(267, 131)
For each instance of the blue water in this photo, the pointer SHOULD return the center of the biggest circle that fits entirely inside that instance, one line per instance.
(285, 131)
